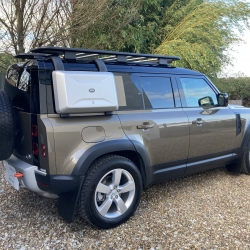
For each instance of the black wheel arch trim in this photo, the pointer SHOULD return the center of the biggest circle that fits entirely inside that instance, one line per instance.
(246, 138)
(107, 147)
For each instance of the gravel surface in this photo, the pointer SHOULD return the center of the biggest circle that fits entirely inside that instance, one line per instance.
(204, 211)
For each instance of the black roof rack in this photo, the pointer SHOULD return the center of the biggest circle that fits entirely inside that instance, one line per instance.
(34, 55)
(106, 56)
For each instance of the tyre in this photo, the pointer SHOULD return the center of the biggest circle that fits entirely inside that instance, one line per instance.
(7, 126)
(243, 165)
(111, 192)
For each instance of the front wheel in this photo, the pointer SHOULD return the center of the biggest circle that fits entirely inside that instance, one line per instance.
(243, 165)
(111, 191)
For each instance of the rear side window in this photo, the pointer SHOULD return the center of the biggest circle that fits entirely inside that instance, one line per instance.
(133, 93)
(139, 93)
(157, 92)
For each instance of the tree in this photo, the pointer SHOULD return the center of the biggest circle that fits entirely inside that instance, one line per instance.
(133, 29)
(107, 32)
(200, 32)
(25, 24)
(237, 87)
(5, 61)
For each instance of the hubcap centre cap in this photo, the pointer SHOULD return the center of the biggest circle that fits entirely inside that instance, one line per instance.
(114, 192)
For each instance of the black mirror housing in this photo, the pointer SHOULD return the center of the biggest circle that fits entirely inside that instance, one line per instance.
(222, 99)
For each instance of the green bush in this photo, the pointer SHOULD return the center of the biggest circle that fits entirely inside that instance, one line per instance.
(237, 88)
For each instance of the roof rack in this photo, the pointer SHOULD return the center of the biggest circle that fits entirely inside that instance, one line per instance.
(105, 56)
(34, 55)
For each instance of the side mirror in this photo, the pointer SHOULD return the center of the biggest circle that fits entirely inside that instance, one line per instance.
(223, 99)
(206, 101)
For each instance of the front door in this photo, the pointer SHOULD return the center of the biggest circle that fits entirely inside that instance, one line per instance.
(212, 128)
(152, 117)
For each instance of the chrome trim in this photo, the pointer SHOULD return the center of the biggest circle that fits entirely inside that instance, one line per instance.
(40, 172)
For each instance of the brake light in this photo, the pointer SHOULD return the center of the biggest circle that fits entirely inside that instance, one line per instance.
(35, 149)
(34, 131)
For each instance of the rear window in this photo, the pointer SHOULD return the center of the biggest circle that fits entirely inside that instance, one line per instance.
(22, 87)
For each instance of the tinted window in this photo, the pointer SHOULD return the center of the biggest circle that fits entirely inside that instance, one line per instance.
(196, 92)
(133, 95)
(22, 91)
(157, 92)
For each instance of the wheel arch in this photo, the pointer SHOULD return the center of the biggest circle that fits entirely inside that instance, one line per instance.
(133, 151)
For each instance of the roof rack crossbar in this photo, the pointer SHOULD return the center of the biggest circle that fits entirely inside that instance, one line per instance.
(85, 56)
(107, 57)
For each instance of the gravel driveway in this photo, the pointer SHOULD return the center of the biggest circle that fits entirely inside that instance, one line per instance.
(204, 211)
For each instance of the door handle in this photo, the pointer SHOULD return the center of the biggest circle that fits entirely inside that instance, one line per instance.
(145, 125)
(198, 122)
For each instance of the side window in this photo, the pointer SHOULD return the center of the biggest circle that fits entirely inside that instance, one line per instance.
(157, 92)
(139, 93)
(129, 92)
(196, 92)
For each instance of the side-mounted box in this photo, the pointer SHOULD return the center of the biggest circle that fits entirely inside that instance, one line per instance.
(80, 92)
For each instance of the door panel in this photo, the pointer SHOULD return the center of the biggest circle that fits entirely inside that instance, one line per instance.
(216, 132)
(166, 141)
(159, 125)
(212, 128)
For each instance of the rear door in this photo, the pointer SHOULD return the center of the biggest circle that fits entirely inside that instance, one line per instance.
(22, 87)
(212, 128)
(152, 118)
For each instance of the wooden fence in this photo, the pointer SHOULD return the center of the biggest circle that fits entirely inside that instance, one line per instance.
(237, 102)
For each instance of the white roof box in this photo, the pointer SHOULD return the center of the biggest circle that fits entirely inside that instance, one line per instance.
(82, 91)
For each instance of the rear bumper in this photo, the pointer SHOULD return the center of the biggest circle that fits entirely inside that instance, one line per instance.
(29, 179)
(58, 184)
(64, 187)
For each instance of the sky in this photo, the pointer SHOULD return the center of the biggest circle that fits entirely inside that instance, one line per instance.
(241, 55)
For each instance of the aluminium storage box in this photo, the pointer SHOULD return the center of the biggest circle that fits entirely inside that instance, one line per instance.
(81, 91)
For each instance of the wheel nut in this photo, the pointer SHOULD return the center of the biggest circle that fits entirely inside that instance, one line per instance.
(118, 190)
(111, 197)
(116, 196)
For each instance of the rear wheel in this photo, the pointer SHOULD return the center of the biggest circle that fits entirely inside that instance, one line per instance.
(111, 192)
(7, 126)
